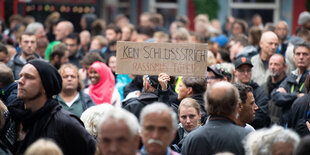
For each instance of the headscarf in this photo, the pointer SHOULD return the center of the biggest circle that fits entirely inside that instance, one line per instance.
(51, 79)
(102, 92)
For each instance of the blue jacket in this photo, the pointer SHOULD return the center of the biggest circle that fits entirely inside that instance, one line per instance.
(8, 93)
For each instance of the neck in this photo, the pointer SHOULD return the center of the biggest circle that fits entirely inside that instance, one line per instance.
(35, 104)
(67, 95)
(301, 70)
(264, 56)
(276, 79)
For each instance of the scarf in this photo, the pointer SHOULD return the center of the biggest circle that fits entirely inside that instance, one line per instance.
(102, 92)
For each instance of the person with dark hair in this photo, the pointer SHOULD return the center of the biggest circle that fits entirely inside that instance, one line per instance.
(239, 27)
(216, 73)
(144, 33)
(239, 46)
(220, 133)
(134, 88)
(293, 87)
(148, 96)
(72, 42)
(87, 20)
(86, 62)
(71, 97)
(28, 45)
(59, 56)
(299, 115)
(37, 114)
(247, 107)
(4, 54)
(113, 34)
(8, 87)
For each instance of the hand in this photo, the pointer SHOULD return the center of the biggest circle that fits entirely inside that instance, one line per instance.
(163, 79)
(308, 125)
(300, 94)
(83, 74)
(281, 90)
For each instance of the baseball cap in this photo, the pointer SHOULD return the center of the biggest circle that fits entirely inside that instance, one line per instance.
(242, 61)
(220, 39)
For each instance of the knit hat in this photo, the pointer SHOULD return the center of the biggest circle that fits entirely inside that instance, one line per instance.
(303, 17)
(49, 75)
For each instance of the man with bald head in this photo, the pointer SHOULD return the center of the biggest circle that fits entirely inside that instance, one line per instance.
(282, 31)
(268, 43)
(63, 29)
(220, 133)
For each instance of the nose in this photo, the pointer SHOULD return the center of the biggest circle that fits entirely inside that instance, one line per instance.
(155, 134)
(188, 120)
(113, 147)
(255, 107)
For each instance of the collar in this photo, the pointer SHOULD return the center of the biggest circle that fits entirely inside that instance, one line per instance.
(143, 151)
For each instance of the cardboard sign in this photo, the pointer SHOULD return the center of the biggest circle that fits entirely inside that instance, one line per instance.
(154, 58)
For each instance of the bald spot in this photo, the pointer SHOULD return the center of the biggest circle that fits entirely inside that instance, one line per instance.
(268, 36)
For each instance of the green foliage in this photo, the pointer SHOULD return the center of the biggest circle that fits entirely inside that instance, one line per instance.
(308, 5)
(209, 7)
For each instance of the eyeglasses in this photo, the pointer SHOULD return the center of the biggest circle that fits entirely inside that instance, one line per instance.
(244, 71)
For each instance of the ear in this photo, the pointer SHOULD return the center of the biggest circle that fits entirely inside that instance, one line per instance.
(190, 91)
(137, 141)
(260, 43)
(240, 106)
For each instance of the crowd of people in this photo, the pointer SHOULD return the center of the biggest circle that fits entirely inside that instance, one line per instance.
(60, 93)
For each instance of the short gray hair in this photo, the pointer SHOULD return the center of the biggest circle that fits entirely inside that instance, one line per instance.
(159, 107)
(117, 114)
(91, 117)
(261, 141)
(33, 27)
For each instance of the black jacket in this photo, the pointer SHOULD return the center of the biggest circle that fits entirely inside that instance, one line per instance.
(51, 121)
(298, 115)
(261, 114)
(135, 105)
(285, 100)
(8, 93)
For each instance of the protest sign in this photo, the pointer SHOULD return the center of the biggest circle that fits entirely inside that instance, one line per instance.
(154, 58)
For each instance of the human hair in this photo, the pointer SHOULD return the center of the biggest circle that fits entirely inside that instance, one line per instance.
(16, 17)
(89, 19)
(76, 70)
(221, 99)
(183, 19)
(242, 23)
(91, 117)
(182, 34)
(255, 34)
(303, 146)
(74, 36)
(203, 18)
(43, 146)
(146, 30)
(58, 50)
(115, 28)
(243, 91)
(261, 141)
(98, 27)
(156, 19)
(307, 82)
(302, 44)
(161, 36)
(3, 109)
(3, 49)
(304, 34)
(26, 34)
(190, 103)
(91, 57)
(33, 27)
(283, 58)
(118, 114)
(102, 40)
(198, 84)
(159, 107)
(6, 75)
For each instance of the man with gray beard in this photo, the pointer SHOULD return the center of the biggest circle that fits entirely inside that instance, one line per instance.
(277, 67)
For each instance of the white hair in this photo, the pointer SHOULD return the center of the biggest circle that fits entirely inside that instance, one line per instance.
(91, 117)
(261, 141)
(159, 107)
(117, 114)
(33, 27)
